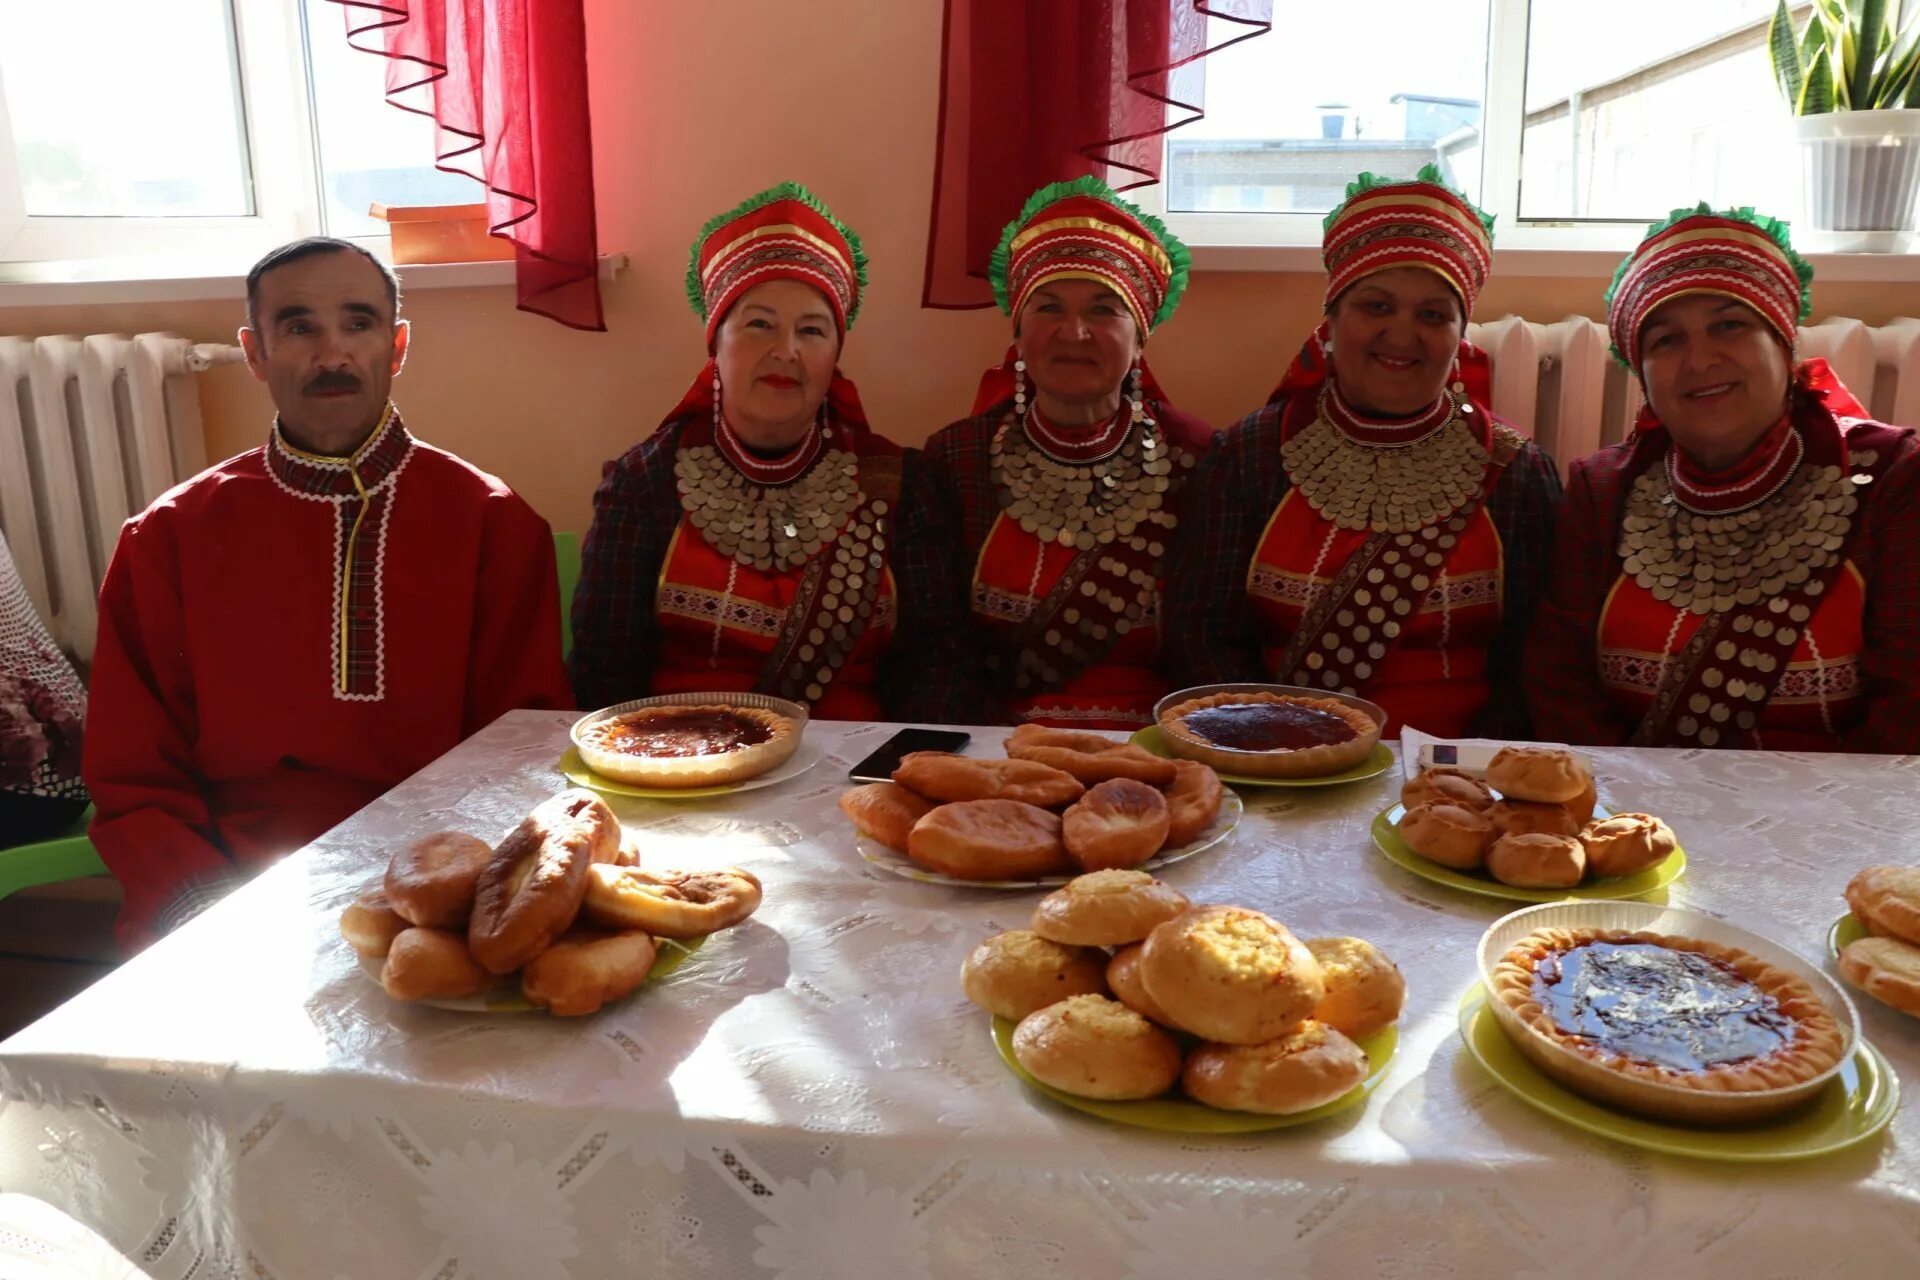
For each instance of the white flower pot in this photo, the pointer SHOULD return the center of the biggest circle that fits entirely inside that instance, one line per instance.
(1861, 170)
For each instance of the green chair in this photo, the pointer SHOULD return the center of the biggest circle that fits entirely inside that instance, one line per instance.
(68, 857)
(566, 558)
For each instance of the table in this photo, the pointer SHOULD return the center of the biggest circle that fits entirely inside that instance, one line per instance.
(811, 1097)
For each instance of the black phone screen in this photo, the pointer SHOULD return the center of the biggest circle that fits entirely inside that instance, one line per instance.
(879, 766)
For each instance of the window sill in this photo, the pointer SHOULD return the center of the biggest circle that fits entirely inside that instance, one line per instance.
(1572, 263)
(92, 283)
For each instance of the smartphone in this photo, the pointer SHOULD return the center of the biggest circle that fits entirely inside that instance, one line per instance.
(879, 766)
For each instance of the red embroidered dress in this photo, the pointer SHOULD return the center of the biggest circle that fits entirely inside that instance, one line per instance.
(285, 637)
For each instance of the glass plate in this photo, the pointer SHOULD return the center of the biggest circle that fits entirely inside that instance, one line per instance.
(1852, 1108)
(804, 757)
(881, 856)
(506, 998)
(1386, 838)
(1176, 1114)
(1846, 929)
(1372, 767)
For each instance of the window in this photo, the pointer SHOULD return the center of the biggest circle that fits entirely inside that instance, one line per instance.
(201, 130)
(1552, 114)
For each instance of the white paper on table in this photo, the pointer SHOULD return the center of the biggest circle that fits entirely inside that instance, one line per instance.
(1469, 755)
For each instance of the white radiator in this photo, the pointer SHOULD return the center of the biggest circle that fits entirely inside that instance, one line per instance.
(91, 431)
(1558, 383)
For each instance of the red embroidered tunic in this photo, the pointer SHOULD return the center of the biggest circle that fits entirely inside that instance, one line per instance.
(978, 576)
(1852, 682)
(661, 609)
(285, 637)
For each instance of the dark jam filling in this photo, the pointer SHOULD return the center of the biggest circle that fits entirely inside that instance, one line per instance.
(1659, 1006)
(1268, 726)
(677, 734)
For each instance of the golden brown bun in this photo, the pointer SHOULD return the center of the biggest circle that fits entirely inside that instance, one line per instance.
(1537, 861)
(1626, 843)
(1089, 757)
(1193, 802)
(1448, 834)
(1231, 974)
(941, 775)
(1447, 786)
(1887, 901)
(1123, 979)
(1118, 823)
(1530, 817)
(1887, 969)
(1107, 909)
(1097, 1048)
(432, 964)
(1582, 805)
(533, 886)
(1365, 991)
(1546, 774)
(1012, 974)
(670, 904)
(585, 970)
(370, 924)
(431, 882)
(1307, 1068)
(989, 840)
(885, 811)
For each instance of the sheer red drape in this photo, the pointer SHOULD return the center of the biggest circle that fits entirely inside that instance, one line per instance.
(505, 81)
(1038, 93)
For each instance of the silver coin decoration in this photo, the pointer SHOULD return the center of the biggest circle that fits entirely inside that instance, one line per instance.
(769, 528)
(1083, 505)
(1386, 488)
(1712, 563)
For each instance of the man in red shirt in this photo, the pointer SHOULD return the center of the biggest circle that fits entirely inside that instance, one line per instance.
(290, 633)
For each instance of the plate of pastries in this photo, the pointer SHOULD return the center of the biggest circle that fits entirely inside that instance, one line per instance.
(1271, 735)
(1877, 943)
(1674, 1030)
(684, 746)
(558, 916)
(1531, 830)
(1060, 803)
(1124, 1000)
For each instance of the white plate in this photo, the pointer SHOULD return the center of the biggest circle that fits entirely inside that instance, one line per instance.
(1223, 824)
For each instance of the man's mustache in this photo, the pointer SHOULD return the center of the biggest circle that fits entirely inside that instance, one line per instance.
(326, 383)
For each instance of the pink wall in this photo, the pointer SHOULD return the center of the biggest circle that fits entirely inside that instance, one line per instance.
(695, 107)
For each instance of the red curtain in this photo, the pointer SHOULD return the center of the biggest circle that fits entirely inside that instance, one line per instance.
(1032, 93)
(505, 81)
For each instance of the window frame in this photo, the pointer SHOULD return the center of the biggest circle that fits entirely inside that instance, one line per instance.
(1291, 241)
(275, 97)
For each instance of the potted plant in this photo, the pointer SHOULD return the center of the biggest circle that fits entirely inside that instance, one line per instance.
(1851, 76)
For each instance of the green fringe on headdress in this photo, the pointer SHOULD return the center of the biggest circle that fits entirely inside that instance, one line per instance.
(1776, 229)
(1177, 255)
(780, 191)
(1429, 173)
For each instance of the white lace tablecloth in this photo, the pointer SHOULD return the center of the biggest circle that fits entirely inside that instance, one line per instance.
(812, 1098)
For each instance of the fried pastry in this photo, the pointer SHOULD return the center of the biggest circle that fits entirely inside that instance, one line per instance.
(941, 775)
(1548, 774)
(1011, 974)
(1308, 1067)
(1887, 901)
(1231, 974)
(1448, 834)
(1117, 823)
(1107, 909)
(586, 969)
(1537, 861)
(1096, 1047)
(431, 881)
(989, 840)
(1887, 969)
(885, 811)
(1448, 786)
(532, 887)
(1626, 843)
(1193, 802)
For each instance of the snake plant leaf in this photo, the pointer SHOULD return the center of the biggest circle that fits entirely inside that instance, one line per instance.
(1816, 94)
(1872, 19)
(1783, 48)
(1894, 84)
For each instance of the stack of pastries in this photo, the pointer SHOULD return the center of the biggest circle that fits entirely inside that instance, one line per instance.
(1529, 824)
(1061, 802)
(1886, 963)
(1123, 989)
(562, 900)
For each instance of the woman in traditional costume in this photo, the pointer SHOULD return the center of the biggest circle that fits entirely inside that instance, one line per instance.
(743, 545)
(1745, 570)
(1375, 529)
(1035, 532)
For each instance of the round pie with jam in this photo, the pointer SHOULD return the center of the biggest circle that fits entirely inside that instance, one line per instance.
(1270, 735)
(688, 746)
(1655, 1009)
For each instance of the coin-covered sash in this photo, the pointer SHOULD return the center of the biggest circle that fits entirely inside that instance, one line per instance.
(1754, 578)
(1116, 516)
